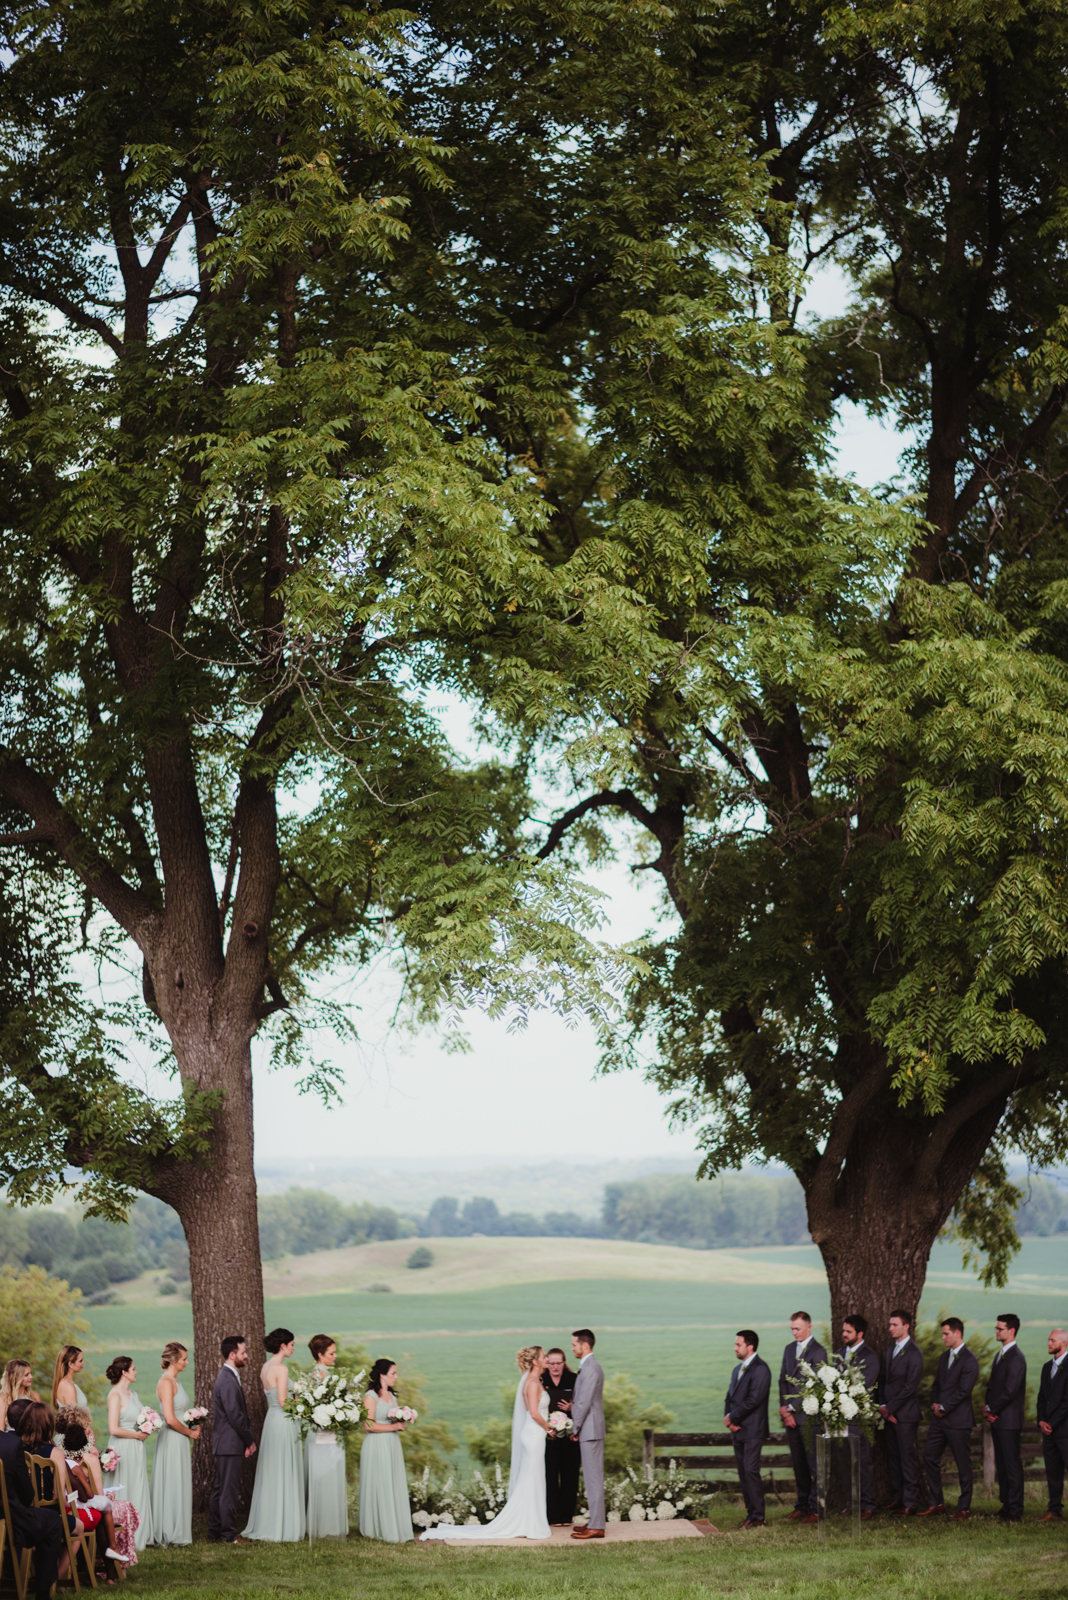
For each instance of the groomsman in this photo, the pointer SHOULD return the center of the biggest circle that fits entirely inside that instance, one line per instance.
(231, 1440)
(899, 1397)
(802, 1347)
(1003, 1408)
(954, 1419)
(1053, 1421)
(867, 1360)
(746, 1415)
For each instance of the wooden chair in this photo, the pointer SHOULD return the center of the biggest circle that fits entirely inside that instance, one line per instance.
(57, 1501)
(20, 1564)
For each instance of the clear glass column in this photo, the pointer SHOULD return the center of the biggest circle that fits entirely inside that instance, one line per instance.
(839, 1457)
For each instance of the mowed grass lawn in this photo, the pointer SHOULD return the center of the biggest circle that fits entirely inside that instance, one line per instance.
(980, 1560)
(673, 1335)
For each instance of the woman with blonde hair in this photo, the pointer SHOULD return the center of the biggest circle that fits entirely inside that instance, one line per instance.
(523, 1515)
(16, 1384)
(172, 1470)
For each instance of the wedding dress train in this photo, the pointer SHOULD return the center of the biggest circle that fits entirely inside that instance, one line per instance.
(524, 1514)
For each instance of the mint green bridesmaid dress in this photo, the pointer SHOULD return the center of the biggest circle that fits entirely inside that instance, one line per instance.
(324, 1482)
(132, 1472)
(277, 1511)
(385, 1509)
(172, 1481)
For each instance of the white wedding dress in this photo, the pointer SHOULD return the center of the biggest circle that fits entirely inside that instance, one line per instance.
(524, 1515)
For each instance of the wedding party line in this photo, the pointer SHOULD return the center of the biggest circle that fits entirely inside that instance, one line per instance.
(60, 1486)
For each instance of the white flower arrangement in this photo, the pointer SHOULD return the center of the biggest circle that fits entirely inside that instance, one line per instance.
(836, 1395)
(326, 1405)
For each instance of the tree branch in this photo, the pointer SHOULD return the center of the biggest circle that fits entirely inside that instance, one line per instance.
(621, 799)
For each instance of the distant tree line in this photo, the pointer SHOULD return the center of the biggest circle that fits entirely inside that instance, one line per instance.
(736, 1210)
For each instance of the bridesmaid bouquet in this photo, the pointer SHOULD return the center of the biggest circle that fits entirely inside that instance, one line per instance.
(109, 1460)
(148, 1421)
(561, 1424)
(194, 1415)
(403, 1414)
(326, 1405)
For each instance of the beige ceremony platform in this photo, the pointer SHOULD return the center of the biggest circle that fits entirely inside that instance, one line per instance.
(615, 1533)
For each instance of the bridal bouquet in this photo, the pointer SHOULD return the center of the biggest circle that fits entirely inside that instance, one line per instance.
(836, 1395)
(561, 1424)
(194, 1415)
(326, 1405)
(403, 1414)
(148, 1421)
(109, 1460)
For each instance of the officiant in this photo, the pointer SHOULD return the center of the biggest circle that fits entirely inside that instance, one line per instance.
(562, 1457)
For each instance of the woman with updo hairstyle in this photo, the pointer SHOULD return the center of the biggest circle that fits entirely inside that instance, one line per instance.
(324, 1460)
(277, 1510)
(172, 1470)
(124, 1407)
(385, 1509)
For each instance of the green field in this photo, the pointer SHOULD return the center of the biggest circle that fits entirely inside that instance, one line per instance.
(981, 1560)
(675, 1339)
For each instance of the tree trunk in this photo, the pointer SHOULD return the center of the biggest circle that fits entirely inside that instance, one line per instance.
(217, 1206)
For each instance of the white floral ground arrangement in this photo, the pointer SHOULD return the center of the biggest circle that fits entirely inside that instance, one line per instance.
(834, 1395)
(665, 1496)
(326, 1405)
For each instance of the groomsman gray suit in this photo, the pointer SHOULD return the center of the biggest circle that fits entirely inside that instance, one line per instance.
(802, 1453)
(957, 1376)
(746, 1407)
(899, 1393)
(865, 1360)
(231, 1436)
(587, 1415)
(1052, 1409)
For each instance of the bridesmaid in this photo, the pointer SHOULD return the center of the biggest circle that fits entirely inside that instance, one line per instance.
(277, 1511)
(324, 1461)
(172, 1470)
(385, 1509)
(123, 1407)
(65, 1392)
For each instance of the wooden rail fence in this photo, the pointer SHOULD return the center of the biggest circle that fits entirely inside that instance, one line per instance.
(659, 1448)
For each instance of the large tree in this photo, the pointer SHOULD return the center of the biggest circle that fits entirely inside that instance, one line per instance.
(248, 521)
(833, 727)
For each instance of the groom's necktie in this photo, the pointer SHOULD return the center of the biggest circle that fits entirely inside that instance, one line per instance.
(735, 1375)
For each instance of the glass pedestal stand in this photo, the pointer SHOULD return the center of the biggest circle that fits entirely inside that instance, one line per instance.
(838, 1456)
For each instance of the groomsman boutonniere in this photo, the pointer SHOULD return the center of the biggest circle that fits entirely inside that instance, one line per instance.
(835, 1395)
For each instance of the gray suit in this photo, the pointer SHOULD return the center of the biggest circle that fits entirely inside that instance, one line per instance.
(587, 1414)
(231, 1436)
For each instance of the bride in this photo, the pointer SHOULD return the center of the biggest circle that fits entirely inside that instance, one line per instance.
(524, 1515)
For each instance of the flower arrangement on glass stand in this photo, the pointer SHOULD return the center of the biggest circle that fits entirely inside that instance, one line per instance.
(835, 1395)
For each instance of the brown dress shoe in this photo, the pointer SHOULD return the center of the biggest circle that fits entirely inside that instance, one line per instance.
(588, 1533)
(753, 1522)
(1051, 1516)
(932, 1511)
(867, 1516)
(906, 1511)
(959, 1516)
(813, 1516)
(795, 1516)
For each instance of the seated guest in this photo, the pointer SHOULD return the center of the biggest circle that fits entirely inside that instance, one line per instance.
(92, 1508)
(746, 1415)
(36, 1528)
(951, 1402)
(124, 1513)
(562, 1456)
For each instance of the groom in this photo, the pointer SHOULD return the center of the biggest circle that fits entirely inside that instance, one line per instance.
(587, 1414)
(231, 1440)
